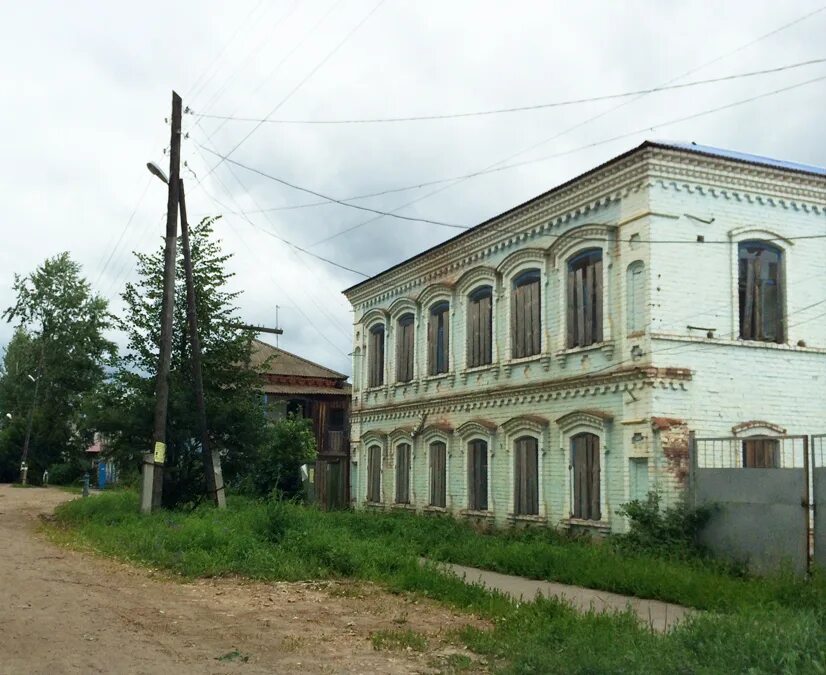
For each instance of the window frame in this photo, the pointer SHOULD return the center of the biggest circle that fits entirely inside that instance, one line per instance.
(373, 494)
(584, 323)
(750, 308)
(403, 470)
(438, 338)
(474, 447)
(436, 481)
(760, 448)
(526, 313)
(526, 493)
(479, 343)
(588, 455)
(405, 347)
(376, 356)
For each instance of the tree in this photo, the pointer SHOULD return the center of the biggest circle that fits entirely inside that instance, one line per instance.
(59, 352)
(234, 411)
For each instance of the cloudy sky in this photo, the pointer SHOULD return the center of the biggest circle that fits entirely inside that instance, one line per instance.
(87, 88)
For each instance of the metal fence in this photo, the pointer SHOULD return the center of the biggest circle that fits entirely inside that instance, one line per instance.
(818, 492)
(760, 490)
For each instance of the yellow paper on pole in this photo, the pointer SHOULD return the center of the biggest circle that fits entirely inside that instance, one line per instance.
(160, 452)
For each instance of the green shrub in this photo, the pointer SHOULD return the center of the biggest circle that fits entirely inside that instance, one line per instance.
(672, 530)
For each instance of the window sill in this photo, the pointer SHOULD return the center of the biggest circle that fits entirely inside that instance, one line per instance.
(523, 359)
(402, 506)
(569, 351)
(376, 506)
(747, 344)
(470, 513)
(434, 509)
(599, 525)
(437, 376)
(470, 370)
(525, 518)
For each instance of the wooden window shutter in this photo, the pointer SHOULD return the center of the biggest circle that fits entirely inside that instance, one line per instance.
(431, 345)
(478, 475)
(532, 477)
(579, 484)
(438, 466)
(374, 474)
(403, 474)
(747, 323)
(445, 319)
(780, 330)
(519, 477)
(486, 329)
(597, 330)
(473, 337)
(594, 477)
(571, 309)
(536, 318)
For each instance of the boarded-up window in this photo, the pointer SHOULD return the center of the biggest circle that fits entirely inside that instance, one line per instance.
(585, 474)
(526, 476)
(404, 348)
(480, 327)
(584, 294)
(761, 292)
(635, 295)
(374, 474)
(526, 325)
(375, 353)
(477, 480)
(761, 453)
(438, 474)
(403, 473)
(438, 338)
(638, 471)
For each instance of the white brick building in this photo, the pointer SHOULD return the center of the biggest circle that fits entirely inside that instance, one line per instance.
(547, 364)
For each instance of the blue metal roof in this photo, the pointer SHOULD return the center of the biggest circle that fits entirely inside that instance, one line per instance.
(742, 157)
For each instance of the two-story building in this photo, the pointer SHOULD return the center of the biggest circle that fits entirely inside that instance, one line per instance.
(548, 364)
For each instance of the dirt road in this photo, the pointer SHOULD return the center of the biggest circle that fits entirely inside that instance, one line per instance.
(62, 611)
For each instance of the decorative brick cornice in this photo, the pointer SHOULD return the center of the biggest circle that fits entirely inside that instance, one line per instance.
(491, 398)
(667, 168)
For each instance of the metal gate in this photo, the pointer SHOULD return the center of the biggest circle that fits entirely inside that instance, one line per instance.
(818, 484)
(759, 490)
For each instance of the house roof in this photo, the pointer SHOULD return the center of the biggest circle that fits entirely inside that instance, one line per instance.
(688, 147)
(305, 390)
(271, 360)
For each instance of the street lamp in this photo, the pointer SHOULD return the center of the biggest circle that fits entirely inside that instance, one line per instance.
(155, 170)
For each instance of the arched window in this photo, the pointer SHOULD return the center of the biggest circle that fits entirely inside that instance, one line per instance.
(438, 474)
(635, 297)
(585, 476)
(526, 324)
(477, 479)
(375, 353)
(760, 290)
(480, 327)
(374, 474)
(585, 298)
(403, 473)
(526, 476)
(405, 348)
(438, 338)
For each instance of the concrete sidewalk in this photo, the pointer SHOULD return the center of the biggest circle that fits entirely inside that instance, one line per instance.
(660, 616)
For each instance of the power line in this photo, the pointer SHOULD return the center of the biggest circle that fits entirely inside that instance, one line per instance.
(303, 81)
(266, 38)
(500, 111)
(328, 198)
(283, 60)
(503, 167)
(578, 125)
(198, 86)
(123, 232)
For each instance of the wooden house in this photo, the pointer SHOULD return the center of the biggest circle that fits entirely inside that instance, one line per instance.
(292, 384)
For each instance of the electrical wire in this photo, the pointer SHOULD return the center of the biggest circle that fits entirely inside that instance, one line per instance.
(503, 167)
(284, 59)
(198, 86)
(518, 109)
(301, 83)
(327, 197)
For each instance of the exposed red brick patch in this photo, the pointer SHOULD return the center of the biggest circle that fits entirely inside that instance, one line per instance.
(663, 423)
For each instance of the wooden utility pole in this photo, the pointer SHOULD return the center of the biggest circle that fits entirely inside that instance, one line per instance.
(165, 357)
(212, 465)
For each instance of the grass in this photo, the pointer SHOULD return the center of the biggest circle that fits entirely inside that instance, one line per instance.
(398, 640)
(775, 624)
